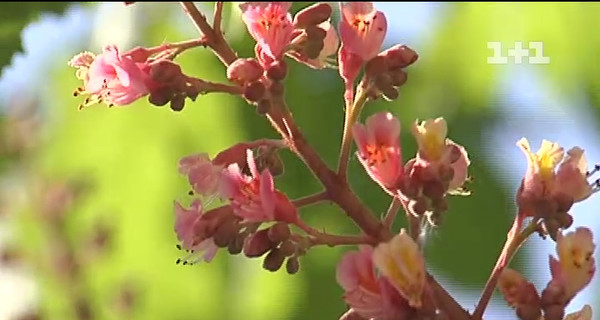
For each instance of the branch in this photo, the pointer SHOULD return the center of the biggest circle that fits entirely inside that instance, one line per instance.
(321, 238)
(446, 302)
(214, 39)
(337, 189)
(311, 199)
(351, 115)
(218, 15)
(390, 215)
(204, 87)
(511, 246)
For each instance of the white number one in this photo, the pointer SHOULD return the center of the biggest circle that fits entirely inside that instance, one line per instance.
(539, 53)
(497, 58)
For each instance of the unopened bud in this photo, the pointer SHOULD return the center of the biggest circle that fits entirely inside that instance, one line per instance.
(376, 66)
(312, 15)
(563, 203)
(383, 81)
(287, 248)
(553, 294)
(177, 102)
(554, 312)
(225, 233)
(399, 77)
(263, 107)
(274, 260)
(418, 207)
(565, 220)
(160, 97)
(390, 93)
(269, 159)
(399, 56)
(279, 232)
(257, 244)
(254, 91)
(314, 33)
(292, 265)
(529, 312)
(551, 227)
(277, 70)
(244, 70)
(165, 71)
(236, 246)
(138, 54)
(312, 49)
(433, 189)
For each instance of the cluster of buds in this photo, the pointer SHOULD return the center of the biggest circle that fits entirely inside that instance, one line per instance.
(386, 278)
(571, 273)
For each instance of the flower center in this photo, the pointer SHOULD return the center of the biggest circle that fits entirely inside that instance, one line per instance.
(376, 154)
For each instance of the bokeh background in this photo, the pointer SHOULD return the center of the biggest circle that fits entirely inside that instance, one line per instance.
(86, 225)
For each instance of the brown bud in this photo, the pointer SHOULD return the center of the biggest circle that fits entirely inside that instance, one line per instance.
(165, 71)
(257, 244)
(225, 233)
(177, 102)
(242, 71)
(554, 312)
(553, 294)
(287, 248)
(236, 245)
(277, 70)
(399, 56)
(312, 15)
(376, 66)
(269, 159)
(263, 107)
(383, 81)
(292, 265)
(399, 77)
(418, 207)
(551, 227)
(312, 49)
(390, 93)
(433, 189)
(565, 220)
(274, 260)
(314, 33)
(254, 91)
(529, 312)
(160, 97)
(279, 232)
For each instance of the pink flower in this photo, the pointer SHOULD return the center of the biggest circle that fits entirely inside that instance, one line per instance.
(270, 24)
(254, 198)
(371, 296)
(195, 230)
(362, 29)
(111, 77)
(518, 292)
(575, 266)
(203, 175)
(379, 149)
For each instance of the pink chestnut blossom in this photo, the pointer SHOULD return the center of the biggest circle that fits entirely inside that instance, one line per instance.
(111, 77)
(367, 293)
(190, 225)
(576, 265)
(379, 149)
(362, 29)
(203, 175)
(270, 24)
(254, 198)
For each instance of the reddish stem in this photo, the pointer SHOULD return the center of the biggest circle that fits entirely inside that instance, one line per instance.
(311, 199)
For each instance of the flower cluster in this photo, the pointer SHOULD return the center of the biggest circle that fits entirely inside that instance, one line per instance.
(387, 277)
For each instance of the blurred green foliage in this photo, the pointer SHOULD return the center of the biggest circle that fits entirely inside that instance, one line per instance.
(130, 155)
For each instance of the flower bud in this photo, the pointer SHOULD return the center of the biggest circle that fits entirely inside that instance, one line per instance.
(399, 77)
(315, 33)
(236, 245)
(287, 248)
(225, 233)
(277, 70)
(433, 189)
(529, 312)
(276, 89)
(399, 56)
(160, 97)
(242, 71)
(165, 71)
(554, 312)
(269, 159)
(257, 244)
(565, 220)
(254, 91)
(376, 67)
(390, 93)
(312, 48)
(274, 260)
(312, 15)
(279, 232)
(418, 207)
(292, 265)
(177, 102)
